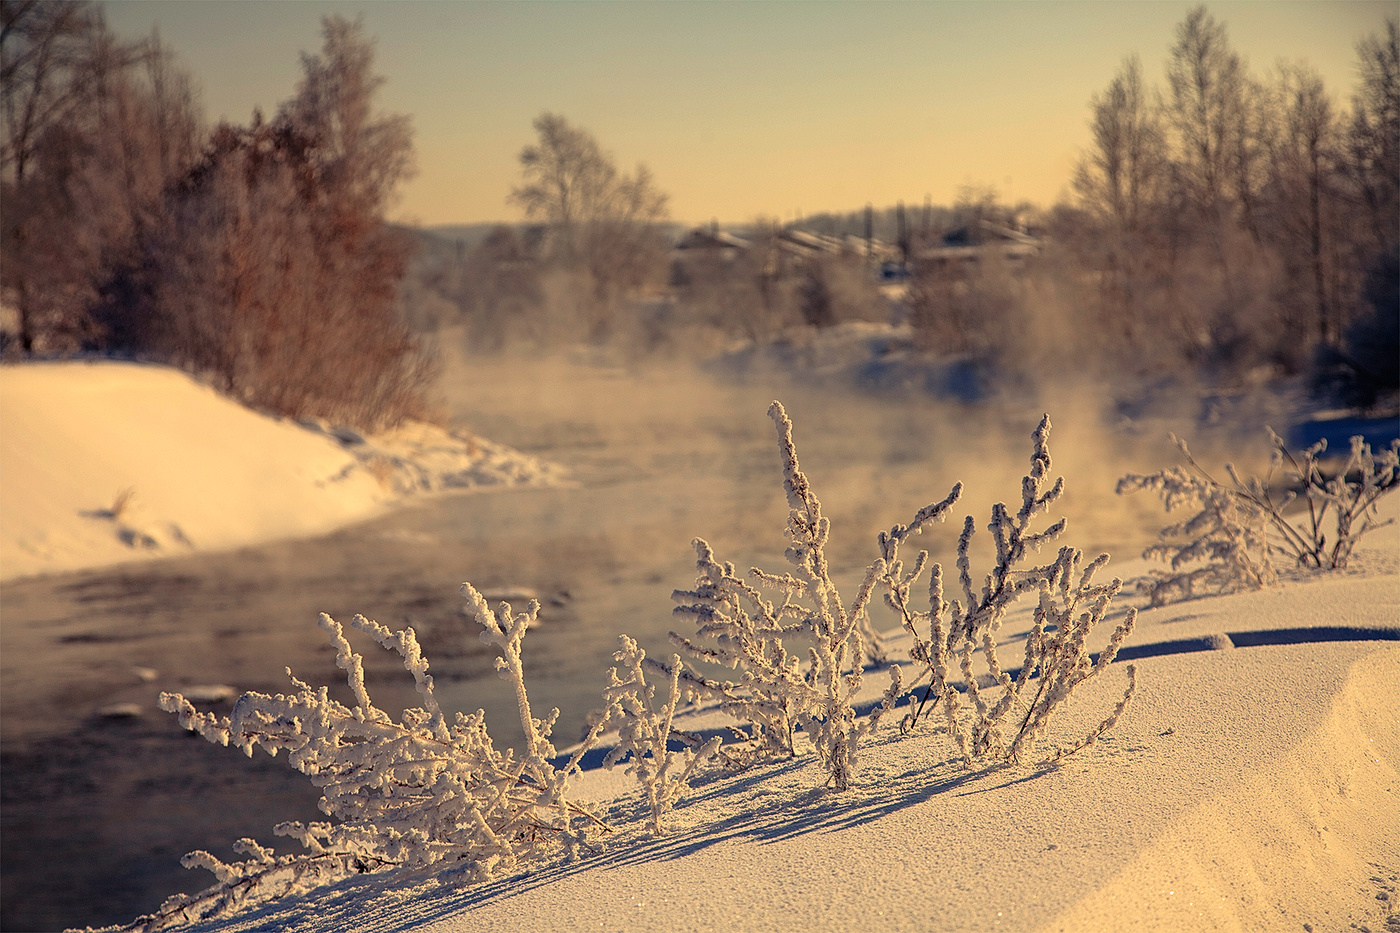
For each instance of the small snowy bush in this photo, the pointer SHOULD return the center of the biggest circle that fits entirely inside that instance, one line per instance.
(416, 794)
(1008, 718)
(776, 692)
(1229, 543)
(1350, 494)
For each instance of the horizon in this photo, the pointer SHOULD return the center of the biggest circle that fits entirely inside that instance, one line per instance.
(739, 110)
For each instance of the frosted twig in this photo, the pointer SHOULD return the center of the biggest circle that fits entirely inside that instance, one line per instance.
(645, 728)
(1055, 657)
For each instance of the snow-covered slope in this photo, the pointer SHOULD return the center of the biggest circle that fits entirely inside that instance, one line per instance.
(104, 462)
(1247, 788)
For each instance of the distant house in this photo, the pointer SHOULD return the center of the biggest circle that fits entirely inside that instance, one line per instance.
(785, 252)
(704, 247)
(806, 245)
(713, 241)
(967, 245)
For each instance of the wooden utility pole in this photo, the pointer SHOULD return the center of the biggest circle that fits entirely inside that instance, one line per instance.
(869, 231)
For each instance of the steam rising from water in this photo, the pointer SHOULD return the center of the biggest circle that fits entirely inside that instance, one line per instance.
(663, 451)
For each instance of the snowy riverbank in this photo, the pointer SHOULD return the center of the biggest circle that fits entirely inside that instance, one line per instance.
(104, 462)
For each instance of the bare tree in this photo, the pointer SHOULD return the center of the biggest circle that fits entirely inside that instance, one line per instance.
(1205, 80)
(976, 205)
(275, 273)
(1248, 153)
(360, 157)
(44, 71)
(43, 50)
(95, 128)
(1373, 141)
(174, 106)
(621, 246)
(1122, 181)
(603, 223)
(1221, 271)
(1372, 169)
(1122, 175)
(1303, 173)
(568, 180)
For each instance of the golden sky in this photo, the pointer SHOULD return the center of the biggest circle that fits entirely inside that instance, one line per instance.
(740, 109)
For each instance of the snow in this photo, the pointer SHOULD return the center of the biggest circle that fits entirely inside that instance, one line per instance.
(1245, 788)
(106, 462)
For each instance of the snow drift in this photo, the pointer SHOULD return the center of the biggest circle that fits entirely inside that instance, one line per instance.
(105, 462)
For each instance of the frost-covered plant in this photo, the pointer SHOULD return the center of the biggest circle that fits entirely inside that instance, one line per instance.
(644, 730)
(1222, 547)
(415, 794)
(1056, 657)
(739, 628)
(1351, 493)
(1229, 543)
(745, 633)
(1056, 650)
(776, 692)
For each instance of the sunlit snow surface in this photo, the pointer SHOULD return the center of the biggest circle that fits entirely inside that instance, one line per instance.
(1246, 789)
(107, 462)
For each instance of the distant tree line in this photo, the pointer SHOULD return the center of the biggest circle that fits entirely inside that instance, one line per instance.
(1236, 221)
(256, 256)
(1228, 225)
